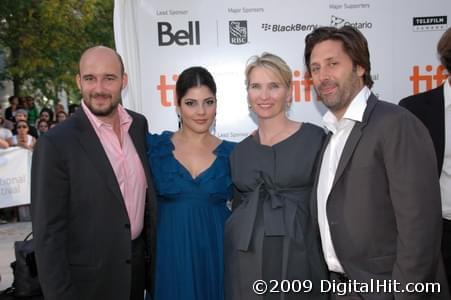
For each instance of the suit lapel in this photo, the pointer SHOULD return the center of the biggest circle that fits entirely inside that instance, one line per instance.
(93, 149)
(354, 138)
(435, 116)
(139, 143)
(314, 200)
(348, 150)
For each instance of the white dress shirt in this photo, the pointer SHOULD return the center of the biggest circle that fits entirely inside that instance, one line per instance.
(341, 130)
(445, 176)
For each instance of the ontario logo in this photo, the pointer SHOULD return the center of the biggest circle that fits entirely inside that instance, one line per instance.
(238, 32)
(435, 23)
(339, 22)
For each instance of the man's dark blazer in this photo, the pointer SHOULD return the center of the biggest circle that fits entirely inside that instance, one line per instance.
(384, 207)
(429, 107)
(80, 223)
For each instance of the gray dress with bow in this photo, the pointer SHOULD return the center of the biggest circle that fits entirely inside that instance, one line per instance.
(270, 234)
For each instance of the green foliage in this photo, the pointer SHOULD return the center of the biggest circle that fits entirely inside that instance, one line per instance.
(42, 41)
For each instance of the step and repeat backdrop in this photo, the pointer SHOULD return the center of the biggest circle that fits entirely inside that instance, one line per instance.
(160, 38)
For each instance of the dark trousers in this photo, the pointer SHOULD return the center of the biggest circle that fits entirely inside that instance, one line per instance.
(138, 269)
(446, 249)
(336, 277)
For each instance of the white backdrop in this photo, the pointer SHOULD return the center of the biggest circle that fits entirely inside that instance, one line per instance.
(160, 38)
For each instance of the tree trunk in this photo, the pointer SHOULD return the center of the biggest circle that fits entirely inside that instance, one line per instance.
(17, 86)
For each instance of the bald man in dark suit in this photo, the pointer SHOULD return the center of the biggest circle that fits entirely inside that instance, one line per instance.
(93, 202)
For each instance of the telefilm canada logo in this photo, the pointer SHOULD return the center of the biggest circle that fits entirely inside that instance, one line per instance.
(434, 23)
(288, 27)
(238, 32)
(336, 21)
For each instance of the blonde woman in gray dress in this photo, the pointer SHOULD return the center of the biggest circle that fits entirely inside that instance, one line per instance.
(269, 235)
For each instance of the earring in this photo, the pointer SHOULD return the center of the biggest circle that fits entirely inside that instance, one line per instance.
(249, 106)
(180, 122)
(287, 109)
(213, 127)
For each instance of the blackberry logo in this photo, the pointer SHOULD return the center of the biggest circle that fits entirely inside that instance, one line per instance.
(266, 27)
(238, 32)
(288, 27)
(339, 22)
(437, 23)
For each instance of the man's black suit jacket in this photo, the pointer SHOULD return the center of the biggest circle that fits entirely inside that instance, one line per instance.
(429, 107)
(80, 223)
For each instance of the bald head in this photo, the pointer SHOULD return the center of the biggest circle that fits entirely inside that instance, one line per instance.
(103, 51)
(101, 79)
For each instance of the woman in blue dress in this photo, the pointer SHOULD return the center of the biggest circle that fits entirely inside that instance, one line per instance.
(192, 180)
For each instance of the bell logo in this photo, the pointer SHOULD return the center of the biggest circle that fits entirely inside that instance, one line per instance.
(180, 37)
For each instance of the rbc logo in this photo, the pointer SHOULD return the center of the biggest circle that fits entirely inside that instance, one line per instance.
(238, 32)
(180, 37)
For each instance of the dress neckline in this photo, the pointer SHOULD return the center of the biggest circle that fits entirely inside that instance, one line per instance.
(185, 169)
(256, 137)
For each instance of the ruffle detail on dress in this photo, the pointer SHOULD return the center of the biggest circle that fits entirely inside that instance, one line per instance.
(165, 168)
(160, 144)
(224, 149)
(170, 172)
(219, 173)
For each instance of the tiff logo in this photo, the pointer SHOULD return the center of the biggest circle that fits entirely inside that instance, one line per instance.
(427, 78)
(238, 32)
(302, 86)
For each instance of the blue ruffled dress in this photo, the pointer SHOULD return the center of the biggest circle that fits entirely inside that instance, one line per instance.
(190, 224)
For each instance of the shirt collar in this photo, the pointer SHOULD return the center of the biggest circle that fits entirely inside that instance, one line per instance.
(354, 112)
(124, 117)
(447, 92)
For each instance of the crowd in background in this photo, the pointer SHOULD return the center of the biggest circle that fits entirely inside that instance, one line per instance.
(21, 124)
